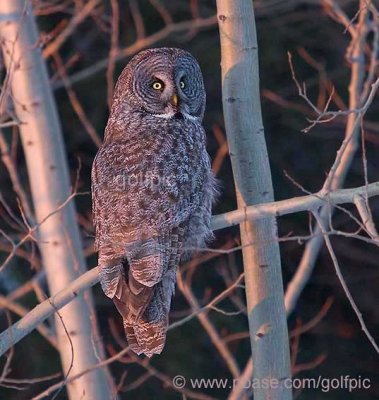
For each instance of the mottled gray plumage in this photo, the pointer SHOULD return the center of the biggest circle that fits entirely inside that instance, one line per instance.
(152, 189)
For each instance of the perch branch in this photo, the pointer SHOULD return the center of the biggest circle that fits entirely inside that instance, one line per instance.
(37, 315)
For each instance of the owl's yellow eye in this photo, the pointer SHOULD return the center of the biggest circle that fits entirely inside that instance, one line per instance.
(182, 84)
(157, 85)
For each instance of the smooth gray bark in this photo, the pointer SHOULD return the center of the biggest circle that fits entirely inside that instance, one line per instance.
(251, 169)
(58, 237)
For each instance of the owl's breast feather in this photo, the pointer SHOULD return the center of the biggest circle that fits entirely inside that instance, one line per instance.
(156, 180)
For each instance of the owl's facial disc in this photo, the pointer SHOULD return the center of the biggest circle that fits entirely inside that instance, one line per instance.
(168, 84)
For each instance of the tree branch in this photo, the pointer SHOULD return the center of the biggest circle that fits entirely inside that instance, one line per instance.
(35, 317)
(347, 151)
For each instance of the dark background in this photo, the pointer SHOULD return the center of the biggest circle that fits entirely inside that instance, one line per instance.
(335, 346)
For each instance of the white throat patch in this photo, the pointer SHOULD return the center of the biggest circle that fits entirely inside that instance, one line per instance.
(170, 115)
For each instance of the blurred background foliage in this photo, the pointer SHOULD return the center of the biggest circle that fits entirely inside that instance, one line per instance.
(335, 345)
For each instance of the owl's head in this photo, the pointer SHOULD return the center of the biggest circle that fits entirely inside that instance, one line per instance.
(164, 82)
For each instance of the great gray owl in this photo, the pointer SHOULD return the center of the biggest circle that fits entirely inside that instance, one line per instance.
(152, 189)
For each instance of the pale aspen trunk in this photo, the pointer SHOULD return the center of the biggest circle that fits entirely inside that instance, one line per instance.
(58, 236)
(251, 169)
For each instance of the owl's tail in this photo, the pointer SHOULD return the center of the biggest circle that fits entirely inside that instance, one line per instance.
(142, 290)
(144, 309)
(146, 338)
(147, 334)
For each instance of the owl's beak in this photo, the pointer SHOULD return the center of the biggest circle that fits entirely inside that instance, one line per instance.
(174, 100)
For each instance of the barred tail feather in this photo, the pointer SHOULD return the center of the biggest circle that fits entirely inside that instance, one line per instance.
(146, 337)
(131, 338)
(149, 331)
(130, 296)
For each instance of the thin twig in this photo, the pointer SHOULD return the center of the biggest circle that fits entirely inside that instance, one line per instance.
(22, 327)
(343, 282)
(148, 41)
(76, 20)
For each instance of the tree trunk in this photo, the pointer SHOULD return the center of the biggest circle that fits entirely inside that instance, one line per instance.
(251, 169)
(58, 236)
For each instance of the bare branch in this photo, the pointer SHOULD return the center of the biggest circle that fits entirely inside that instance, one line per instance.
(343, 282)
(21, 311)
(148, 41)
(345, 155)
(366, 216)
(44, 310)
(304, 203)
(78, 108)
(77, 19)
(209, 327)
(295, 204)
